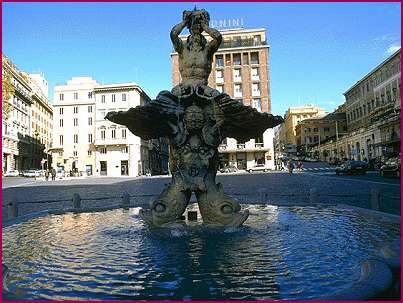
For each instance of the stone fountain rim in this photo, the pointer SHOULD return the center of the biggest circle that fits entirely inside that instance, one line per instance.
(375, 277)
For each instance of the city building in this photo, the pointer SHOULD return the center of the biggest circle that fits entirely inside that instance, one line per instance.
(86, 143)
(117, 151)
(373, 116)
(26, 121)
(318, 130)
(74, 125)
(241, 70)
(41, 121)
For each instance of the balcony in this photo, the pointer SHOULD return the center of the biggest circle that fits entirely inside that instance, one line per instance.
(242, 147)
(241, 43)
(219, 80)
(255, 93)
(110, 141)
(255, 77)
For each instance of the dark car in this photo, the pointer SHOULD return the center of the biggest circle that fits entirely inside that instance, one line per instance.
(391, 167)
(352, 167)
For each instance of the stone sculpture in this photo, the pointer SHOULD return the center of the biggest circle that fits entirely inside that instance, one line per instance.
(195, 118)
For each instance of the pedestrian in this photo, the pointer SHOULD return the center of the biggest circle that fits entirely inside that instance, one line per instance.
(46, 175)
(290, 166)
(53, 174)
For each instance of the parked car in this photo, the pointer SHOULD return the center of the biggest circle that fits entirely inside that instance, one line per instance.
(31, 173)
(258, 167)
(12, 173)
(229, 169)
(352, 167)
(391, 167)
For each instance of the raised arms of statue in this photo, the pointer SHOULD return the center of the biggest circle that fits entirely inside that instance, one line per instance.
(176, 30)
(214, 44)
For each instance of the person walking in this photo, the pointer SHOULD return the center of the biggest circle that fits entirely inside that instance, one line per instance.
(53, 174)
(290, 166)
(46, 175)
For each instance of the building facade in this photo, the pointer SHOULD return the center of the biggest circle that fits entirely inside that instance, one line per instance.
(117, 151)
(86, 143)
(241, 70)
(373, 116)
(27, 123)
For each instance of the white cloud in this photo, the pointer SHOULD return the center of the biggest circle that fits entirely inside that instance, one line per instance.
(392, 49)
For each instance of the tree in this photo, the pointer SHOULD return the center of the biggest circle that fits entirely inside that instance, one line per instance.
(7, 90)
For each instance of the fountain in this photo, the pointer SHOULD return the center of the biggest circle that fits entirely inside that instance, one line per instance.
(195, 118)
(316, 252)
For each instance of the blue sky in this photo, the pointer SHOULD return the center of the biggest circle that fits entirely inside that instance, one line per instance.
(317, 50)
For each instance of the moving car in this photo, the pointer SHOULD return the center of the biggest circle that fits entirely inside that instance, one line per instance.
(352, 167)
(12, 173)
(391, 167)
(258, 167)
(229, 169)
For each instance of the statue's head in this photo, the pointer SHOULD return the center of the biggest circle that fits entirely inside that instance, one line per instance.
(195, 19)
(194, 118)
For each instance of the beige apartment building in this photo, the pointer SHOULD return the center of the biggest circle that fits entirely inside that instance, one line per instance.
(287, 130)
(373, 116)
(26, 132)
(241, 70)
(85, 143)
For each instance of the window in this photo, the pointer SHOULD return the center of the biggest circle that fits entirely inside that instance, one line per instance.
(61, 97)
(61, 111)
(75, 109)
(237, 59)
(89, 138)
(61, 122)
(219, 60)
(89, 153)
(315, 129)
(326, 129)
(103, 98)
(102, 134)
(255, 89)
(60, 154)
(90, 109)
(219, 74)
(102, 114)
(237, 74)
(123, 133)
(75, 138)
(75, 122)
(113, 133)
(75, 153)
(125, 149)
(103, 150)
(89, 121)
(89, 95)
(255, 73)
(245, 58)
(254, 58)
(75, 96)
(238, 90)
(61, 139)
(113, 97)
(257, 103)
(123, 97)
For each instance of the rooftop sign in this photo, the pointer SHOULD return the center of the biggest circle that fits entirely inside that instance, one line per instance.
(227, 23)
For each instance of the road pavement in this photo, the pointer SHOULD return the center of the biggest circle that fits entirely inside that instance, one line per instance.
(278, 188)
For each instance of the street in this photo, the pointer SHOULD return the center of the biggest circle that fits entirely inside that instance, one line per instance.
(278, 188)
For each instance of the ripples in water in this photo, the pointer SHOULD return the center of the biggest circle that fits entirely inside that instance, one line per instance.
(289, 253)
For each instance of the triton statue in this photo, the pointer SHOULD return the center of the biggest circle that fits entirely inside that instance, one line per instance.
(195, 118)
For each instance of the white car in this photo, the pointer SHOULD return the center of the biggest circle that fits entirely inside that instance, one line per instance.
(12, 173)
(32, 173)
(258, 167)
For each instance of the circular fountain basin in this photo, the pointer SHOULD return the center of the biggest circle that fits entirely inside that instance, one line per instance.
(292, 253)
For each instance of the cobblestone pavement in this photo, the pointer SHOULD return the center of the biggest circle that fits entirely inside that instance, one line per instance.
(272, 187)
